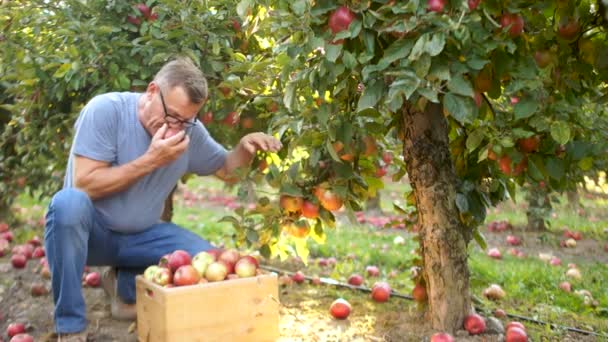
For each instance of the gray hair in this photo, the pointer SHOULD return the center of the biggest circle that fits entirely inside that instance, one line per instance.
(182, 72)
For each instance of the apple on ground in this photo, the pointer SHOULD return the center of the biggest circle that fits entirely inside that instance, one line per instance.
(39, 289)
(93, 279)
(513, 240)
(442, 337)
(381, 292)
(500, 313)
(494, 253)
(565, 286)
(355, 279)
(298, 277)
(4, 247)
(515, 324)
(574, 273)
(494, 292)
(340, 308)
(372, 271)
(38, 252)
(14, 329)
(22, 338)
(18, 261)
(316, 280)
(555, 261)
(474, 324)
(516, 334)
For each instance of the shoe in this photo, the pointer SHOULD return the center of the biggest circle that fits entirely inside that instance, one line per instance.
(73, 337)
(119, 309)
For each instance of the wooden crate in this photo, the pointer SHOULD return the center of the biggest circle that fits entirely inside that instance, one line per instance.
(245, 309)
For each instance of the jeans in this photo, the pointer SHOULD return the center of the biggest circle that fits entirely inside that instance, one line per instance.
(76, 236)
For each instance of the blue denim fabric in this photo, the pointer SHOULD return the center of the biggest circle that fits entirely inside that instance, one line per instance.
(75, 236)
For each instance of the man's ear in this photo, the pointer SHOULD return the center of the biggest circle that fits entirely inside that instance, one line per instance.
(151, 89)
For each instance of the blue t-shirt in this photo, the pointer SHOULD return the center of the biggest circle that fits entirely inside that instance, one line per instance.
(109, 130)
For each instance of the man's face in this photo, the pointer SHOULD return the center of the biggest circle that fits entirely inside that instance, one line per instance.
(170, 106)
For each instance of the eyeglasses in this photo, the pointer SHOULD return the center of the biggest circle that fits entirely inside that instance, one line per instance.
(172, 120)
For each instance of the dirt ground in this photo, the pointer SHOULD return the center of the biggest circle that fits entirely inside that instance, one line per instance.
(303, 309)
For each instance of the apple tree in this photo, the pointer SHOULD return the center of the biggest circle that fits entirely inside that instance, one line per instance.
(470, 98)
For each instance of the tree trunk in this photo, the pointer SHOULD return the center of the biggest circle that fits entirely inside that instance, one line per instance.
(573, 200)
(167, 214)
(539, 208)
(373, 204)
(444, 238)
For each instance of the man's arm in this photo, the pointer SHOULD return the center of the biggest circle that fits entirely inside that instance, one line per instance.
(99, 179)
(243, 153)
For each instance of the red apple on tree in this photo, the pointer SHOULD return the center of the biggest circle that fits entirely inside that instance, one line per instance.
(340, 308)
(340, 19)
(144, 9)
(529, 145)
(291, 204)
(310, 209)
(473, 4)
(436, 5)
(514, 22)
(568, 30)
(207, 118)
(542, 58)
(419, 293)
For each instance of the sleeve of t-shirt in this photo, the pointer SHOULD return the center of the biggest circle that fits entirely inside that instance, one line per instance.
(96, 130)
(206, 155)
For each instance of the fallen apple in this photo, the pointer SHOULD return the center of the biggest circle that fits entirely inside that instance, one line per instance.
(574, 273)
(381, 292)
(355, 279)
(22, 338)
(565, 286)
(38, 289)
(571, 243)
(298, 277)
(513, 240)
(38, 253)
(93, 279)
(500, 313)
(14, 329)
(442, 337)
(18, 260)
(515, 324)
(494, 292)
(4, 247)
(372, 271)
(555, 261)
(340, 308)
(494, 253)
(516, 334)
(474, 324)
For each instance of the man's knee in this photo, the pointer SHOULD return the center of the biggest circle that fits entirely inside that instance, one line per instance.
(70, 207)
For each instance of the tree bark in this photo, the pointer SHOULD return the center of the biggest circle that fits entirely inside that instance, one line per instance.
(444, 238)
(167, 214)
(373, 204)
(539, 207)
(573, 200)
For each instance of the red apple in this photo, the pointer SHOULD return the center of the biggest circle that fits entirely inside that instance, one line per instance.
(473, 4)
(328, 199)
(38, 252)
(179, 258)
(474, 324)
(3, 227)
(442, 337)
(15, 328)
(133, 20)
(543, 58)
(18, 260)
(436, 5)
(419, 293)
(22, 338)
(298, 277)
(529, 145)
(230, 257)
(372, 271)
(246, 267)
(387, 157)
(500, 313)
(568, 30)
(38, 289)
(340, 308)
(494, 253)
(93, 279)
(381, 292)
(186, 275)
(144, 9)
(555, 261)
(355, 279)
(207, 118)
(231, 119)
(215, 252)
(35, 241)
(8, 236)
(27, 250)
(515, 324)
(340, 19)
(315, 280)
(515, 22)
(216, 271)
(291, 204)
(565, 286)
(310, 210)
(516, 335)
(513, 240)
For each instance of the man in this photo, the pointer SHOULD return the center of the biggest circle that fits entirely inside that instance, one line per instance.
(128, 152)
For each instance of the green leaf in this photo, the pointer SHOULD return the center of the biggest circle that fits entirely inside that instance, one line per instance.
(298, 7)
(525, 108)
(290, 189)
(419, 47)
(458, 85)
(586, 163)
(462, 109)
(289, 96)
(332, 52)
(405, 85)
(398, 50)
(462, 203)
(560, 132)
(63, 69)
(475, 138)
(555, 168)
(435, 46)
(243, 7)
(349, 60)
(480, 239)
(430, 94)
(371, 95)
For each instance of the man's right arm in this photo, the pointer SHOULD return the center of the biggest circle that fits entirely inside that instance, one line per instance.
(99, 179)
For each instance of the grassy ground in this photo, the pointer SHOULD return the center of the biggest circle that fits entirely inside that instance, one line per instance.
(530, 283)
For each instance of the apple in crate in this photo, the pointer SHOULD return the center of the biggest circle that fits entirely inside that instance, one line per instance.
(186, 275)
(216, 271)
(201, 261)
(150, 272)
(163, 276)
(230, 257)
(340, 308)
(246, 267)
(179, 258)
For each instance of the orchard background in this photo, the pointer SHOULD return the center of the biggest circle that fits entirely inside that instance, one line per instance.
(456, 105)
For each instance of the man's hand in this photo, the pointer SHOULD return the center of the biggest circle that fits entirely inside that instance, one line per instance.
(244, 152)
(163, 151)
